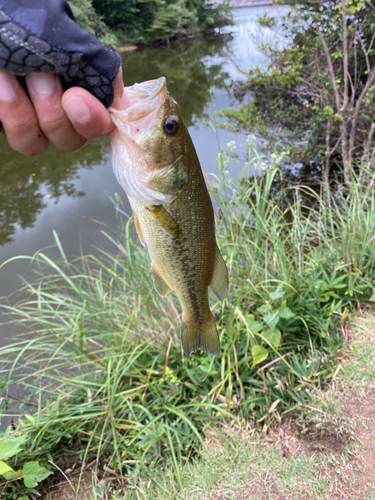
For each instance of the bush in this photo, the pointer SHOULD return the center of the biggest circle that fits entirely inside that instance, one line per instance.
(148, 21)
(86, 16)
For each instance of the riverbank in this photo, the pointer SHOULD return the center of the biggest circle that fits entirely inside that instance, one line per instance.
(95, 378)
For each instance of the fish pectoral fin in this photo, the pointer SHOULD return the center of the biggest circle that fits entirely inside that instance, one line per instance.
(219, 283)
(160, 285)
(139, 229)
(165, 219)
(171, 179)
(200, 336)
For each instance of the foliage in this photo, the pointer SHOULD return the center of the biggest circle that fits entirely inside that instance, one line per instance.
(31, 472)
(103, 368)
(86, 16)
(317, 93)
(140, 21)
(148, 21)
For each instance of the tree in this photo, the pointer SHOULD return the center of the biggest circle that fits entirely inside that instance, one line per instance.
(321, 87)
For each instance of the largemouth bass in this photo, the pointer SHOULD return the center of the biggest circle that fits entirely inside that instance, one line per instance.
(155, 161)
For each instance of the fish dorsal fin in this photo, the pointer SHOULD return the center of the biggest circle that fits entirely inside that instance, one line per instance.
(160, 285)
(219, 282)
(138, 229)
(165, 219)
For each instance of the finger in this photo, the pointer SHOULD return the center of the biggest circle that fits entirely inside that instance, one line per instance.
(45, 92)
(19, 119)
(121, 100)
(89, 116)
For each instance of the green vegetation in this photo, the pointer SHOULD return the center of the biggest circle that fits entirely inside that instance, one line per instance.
(88, 18)
(117, 22)
(30, 474)
(100, 364)
(97, 374)
(316, 95)
(317, 457)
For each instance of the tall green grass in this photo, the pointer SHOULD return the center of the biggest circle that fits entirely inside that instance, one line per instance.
(100, 366)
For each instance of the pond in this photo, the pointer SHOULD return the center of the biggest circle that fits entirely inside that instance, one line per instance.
(69, 192)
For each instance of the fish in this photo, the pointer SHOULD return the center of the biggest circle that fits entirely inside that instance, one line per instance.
(154, 160)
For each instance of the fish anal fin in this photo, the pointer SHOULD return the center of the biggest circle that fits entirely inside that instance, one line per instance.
(165, 219)
(219, 282)
(160, 285)
(200, 336)
(138, 229)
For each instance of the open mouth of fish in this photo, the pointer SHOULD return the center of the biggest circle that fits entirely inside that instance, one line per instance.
(134, 171)
(140, 100)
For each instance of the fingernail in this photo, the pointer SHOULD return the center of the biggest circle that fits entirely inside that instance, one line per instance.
(8, 86)
(43, 83)
(77, 110)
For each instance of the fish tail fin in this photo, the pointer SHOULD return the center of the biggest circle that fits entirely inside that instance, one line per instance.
(200, 336)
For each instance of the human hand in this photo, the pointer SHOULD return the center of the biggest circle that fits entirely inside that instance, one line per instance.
(66, 119)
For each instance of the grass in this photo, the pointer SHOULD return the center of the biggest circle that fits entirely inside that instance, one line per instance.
(235, 467)
(100, 370)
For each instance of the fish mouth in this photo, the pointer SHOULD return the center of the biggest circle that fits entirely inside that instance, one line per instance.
(138, 119)
(142, 99)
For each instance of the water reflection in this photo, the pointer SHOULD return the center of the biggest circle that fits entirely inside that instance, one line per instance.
(26, 183)
(190, 70)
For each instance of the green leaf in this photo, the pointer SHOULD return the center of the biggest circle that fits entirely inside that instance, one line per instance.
(9, 476)
(285, 312)
(11, 446)
(24, 498)
(255, 326)
(33, 474)
(323, 402)
(205, 369)
(276, 295)
(4, 468)
(259, 354)
(272, 319)
(272, 337)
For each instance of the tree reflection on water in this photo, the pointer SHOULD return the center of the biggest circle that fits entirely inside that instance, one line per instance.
(191, 70)
(24, 182)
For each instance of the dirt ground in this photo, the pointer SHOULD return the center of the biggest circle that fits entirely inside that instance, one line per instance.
(355, 475)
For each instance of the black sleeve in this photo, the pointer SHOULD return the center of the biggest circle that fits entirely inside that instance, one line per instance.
(42, 35)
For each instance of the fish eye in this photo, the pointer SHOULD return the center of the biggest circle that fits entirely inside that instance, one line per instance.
(171, 125)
